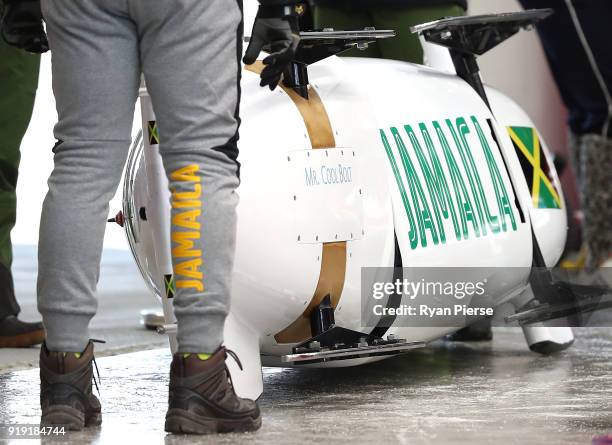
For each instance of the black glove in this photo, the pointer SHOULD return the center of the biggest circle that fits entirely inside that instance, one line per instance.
(276, 31)
(22, 25)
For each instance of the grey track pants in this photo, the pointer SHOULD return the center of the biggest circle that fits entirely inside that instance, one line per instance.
(189, 52)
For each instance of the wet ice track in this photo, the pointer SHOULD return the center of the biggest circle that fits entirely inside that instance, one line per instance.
(446, 394)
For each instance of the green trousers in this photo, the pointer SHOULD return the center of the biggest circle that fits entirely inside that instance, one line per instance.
(18, 82)
(405, 46)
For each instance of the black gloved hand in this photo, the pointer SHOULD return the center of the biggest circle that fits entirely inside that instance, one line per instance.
(22, 25)
(276, 31)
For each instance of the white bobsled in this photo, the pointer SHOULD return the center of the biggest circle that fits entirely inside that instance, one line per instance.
(366, 163)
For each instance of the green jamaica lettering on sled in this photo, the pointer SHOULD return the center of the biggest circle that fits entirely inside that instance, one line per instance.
(450, 186)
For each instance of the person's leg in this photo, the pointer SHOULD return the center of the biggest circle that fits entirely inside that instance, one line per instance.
(96, 76)
(342, 19)
(191, 52)
(190, 59)
(406, 46)
(18, 82)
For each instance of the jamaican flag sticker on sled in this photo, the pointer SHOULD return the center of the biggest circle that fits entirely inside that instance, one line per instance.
(535, 166)
(170, 286)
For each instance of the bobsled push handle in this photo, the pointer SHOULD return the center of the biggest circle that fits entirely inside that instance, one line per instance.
(469, 37)
(319, 45)
(478, 34)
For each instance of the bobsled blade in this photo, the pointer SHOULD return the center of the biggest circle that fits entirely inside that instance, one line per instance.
(352, 353)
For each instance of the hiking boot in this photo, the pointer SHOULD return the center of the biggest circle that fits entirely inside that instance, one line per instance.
(15, 333)
(66, 396)
(202, 399)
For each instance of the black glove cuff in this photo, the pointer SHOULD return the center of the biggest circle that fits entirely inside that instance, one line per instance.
(279, 11)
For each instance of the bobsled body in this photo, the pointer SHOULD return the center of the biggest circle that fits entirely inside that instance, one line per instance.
(293, 199)
(394, 151)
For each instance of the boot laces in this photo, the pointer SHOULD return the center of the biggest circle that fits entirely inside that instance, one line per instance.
(233, 355)
(97, 382)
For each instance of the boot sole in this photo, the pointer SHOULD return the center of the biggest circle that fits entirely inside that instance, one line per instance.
(23, 340)
(71, 418)
(179, 421)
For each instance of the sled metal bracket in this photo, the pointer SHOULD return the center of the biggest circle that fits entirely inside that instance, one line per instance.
(338, 343)
(322, 317)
